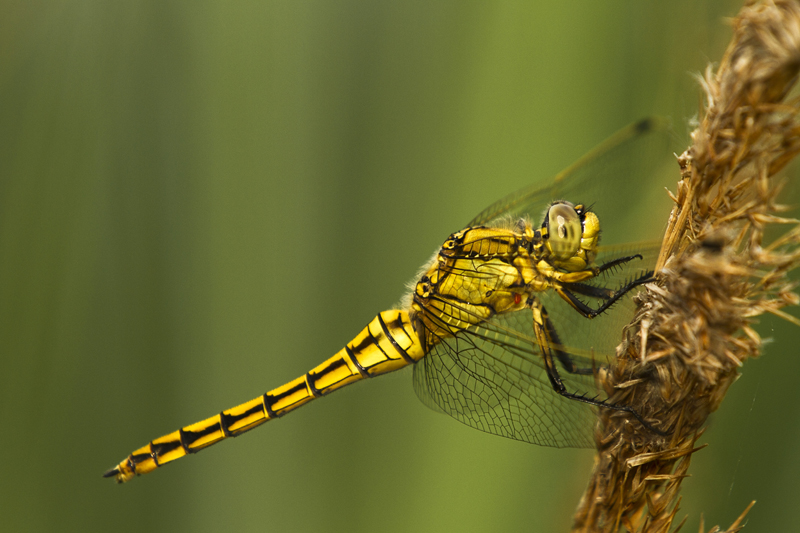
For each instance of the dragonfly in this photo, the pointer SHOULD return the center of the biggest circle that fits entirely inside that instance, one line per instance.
(497, 326)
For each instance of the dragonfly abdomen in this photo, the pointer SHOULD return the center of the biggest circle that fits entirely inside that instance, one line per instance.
(388, 343)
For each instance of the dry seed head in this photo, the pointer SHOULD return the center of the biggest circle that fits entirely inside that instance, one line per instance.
(717, 274)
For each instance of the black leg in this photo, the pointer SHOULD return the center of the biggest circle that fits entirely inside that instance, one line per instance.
(587, 311)
(601, 293)
(547, 339)
(617, 262)
(562, 356)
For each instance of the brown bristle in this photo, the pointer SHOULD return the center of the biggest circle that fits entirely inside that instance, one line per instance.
(694, 330)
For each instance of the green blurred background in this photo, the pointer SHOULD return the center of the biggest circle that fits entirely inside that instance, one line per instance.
(202, 200)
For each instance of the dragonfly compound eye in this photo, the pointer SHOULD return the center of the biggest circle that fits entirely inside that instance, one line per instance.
(564, 230)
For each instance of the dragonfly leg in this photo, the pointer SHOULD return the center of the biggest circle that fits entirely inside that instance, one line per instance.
(548, 342)
(616, 262)
(551, 337)
(601, 293)
(566, 292)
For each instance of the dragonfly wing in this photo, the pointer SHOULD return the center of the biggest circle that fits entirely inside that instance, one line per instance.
(491, 377)
(620, 180)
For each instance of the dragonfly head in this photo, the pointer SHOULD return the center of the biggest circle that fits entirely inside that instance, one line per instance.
(570, 233)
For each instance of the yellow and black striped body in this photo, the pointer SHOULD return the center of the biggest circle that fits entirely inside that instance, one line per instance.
(478, 273)
(475, 322)
(388, 343)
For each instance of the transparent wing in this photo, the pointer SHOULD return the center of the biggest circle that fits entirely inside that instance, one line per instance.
(491, 376)
(598, 338)
(622, 179)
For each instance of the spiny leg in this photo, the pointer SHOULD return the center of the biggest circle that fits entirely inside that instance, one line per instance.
(566, 290)
(601, 293)
(548, 341)
(616, 262)
(553, 342)
(608, 296)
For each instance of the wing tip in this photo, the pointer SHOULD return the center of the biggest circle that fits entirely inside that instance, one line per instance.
(645, 125)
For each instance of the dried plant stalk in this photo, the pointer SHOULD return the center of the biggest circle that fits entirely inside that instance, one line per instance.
(693, 330)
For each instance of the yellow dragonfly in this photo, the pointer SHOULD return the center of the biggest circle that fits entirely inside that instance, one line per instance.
(495, 325)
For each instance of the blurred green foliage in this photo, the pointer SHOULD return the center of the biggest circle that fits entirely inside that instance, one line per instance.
(201, 200)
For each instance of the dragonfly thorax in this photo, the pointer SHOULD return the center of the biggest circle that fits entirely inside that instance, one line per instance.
(478, 273)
